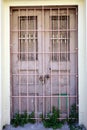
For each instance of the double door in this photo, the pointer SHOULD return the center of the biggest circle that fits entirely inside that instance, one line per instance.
(43, 59)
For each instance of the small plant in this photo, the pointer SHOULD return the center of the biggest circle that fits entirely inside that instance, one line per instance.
(16, 120)
(31, 118)
(73, 118)
(19, 119)
(51, 120)
(22, 119)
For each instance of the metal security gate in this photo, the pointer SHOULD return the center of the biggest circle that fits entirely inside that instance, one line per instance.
(44, 55)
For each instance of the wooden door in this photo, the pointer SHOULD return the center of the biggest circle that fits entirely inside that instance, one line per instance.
(43, 59)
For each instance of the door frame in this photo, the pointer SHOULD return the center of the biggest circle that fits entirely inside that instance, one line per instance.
(6, 54)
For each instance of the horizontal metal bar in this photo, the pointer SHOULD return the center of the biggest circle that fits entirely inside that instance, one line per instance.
(27, 84)
(69, 74)
(45, 52)
(33, 38)
(38, 118)
(51, 96)
(44, 7)
(27, 38)
(62, 30)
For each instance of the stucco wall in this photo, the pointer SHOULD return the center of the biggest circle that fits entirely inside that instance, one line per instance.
(6, 52)
(85, 121)
(0, 68)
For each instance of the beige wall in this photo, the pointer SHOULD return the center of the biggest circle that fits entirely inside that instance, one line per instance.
(0, 68)
(85, 121)
(6, 53)
(5, 65)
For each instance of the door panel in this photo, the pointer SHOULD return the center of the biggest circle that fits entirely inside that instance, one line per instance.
(43, 59)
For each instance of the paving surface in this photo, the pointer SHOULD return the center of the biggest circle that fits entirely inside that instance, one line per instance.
(36, 126)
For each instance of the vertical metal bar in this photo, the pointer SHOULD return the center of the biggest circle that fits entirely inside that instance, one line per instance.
(19, 62)
(67, 53)
(11, 55)
(27, 59)
(76, 62)
(53, 36)
(58, 22)
(43, 59)
(51, 54)
(59, 63)
(35, 65)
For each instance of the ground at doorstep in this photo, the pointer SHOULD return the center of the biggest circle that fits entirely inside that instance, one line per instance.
(36, 126)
